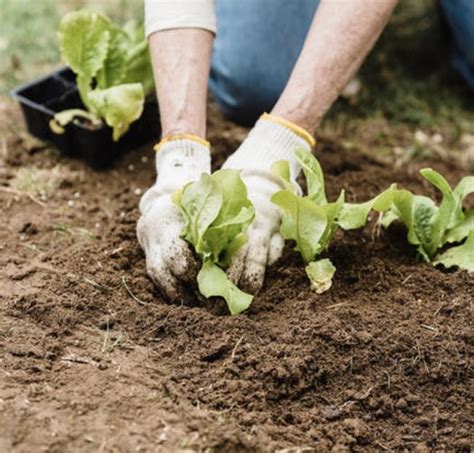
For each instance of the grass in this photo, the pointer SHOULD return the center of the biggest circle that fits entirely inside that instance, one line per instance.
(36, 181)
(408, 86)
(73, 231)
(408, 77)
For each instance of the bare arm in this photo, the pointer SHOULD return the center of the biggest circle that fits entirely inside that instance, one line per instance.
(181, 62)
(340, 37)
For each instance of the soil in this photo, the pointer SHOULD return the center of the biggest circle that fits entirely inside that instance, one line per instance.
(93, 358)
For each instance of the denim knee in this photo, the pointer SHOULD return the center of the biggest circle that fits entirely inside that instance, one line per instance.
(460, 16)
(243, 94)
(256, 48)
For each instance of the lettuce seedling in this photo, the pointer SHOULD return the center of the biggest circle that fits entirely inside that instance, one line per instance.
(311, 221)
(432, 227)
(217, 214)
(112, 66)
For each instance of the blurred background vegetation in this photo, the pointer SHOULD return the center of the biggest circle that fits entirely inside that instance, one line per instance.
(407, 79)
(28, 41)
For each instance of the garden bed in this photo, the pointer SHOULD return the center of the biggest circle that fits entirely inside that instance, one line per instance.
(92, 358)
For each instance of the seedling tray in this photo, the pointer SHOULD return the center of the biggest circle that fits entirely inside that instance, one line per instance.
(41, 99)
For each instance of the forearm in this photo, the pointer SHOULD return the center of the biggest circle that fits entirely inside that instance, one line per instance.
(340, 37)
(181, 61)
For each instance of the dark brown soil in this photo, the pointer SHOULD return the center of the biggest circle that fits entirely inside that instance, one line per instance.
(92, 358)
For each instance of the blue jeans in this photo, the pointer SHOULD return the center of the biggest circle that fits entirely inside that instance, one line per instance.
(258, 43)
(460, 17)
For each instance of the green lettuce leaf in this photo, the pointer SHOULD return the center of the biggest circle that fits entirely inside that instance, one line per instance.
(354, 215)
(128, 58)
(114, 67)
(417, 213)
(234, 197)
(113, 60)
(119, 105)
(314, 176)
(449, 212)
(281, 169)
(461, 256)
(138, 68)
(462, 229)
(312, 221)
(62, 119)
(84, 39)
(67, 116)
(320, 274)
(225, 239)
(200, 203)
(388, 217)
(420, 231)
(465, 187)
(217, 214)
(217, 211)
(303, 222)
(333, 212)
(226, 255)
(431, 226)
(213, 281)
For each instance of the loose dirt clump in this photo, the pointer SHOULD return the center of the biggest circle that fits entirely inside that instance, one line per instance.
(92, 358)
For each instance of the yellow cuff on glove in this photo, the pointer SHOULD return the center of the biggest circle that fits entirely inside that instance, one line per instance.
(172, 138)
(292, 126)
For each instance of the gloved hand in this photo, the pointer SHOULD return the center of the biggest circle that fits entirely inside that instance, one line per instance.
(170, 262)
(272, 139)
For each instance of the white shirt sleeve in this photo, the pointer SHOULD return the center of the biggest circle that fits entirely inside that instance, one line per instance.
(169, 14)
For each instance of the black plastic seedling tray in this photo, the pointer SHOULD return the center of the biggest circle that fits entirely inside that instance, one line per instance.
(41, 99)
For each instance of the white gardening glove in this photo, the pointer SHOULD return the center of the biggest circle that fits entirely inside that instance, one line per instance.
(169, 260)
(272, 139)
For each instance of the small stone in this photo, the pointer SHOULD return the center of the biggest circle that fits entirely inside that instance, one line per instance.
(421, 448)
(412, 398)
(131, 167)
(70, 203)
(463, 444)
(364, 336)
(137, 191)
(423, 421)
(355, 427)
(77, 194)
(340, 448)
(144, 159)
(401, 404)
(331, 413)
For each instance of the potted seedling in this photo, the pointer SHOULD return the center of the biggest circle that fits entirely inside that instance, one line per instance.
(101, 104)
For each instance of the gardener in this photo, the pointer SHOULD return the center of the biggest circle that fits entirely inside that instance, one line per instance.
(288, 58)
